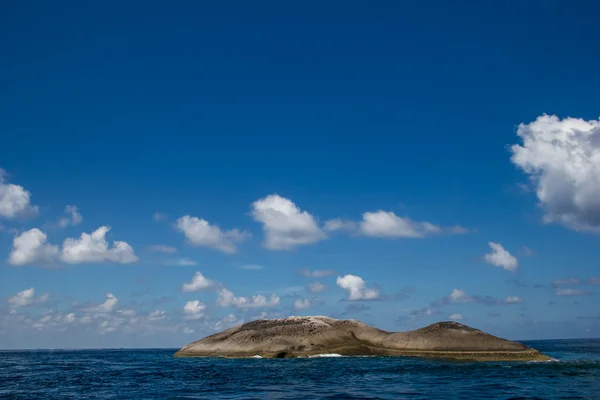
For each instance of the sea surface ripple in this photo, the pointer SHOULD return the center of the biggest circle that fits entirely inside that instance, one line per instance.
(155, 374)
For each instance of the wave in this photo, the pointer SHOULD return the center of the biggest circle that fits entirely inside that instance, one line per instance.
(326, 355)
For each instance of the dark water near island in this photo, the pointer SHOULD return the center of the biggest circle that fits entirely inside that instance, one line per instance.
(155, 374)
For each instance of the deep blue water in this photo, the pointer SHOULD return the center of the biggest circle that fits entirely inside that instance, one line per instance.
(155, 374)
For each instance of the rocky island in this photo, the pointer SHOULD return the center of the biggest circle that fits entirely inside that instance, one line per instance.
(310, 336)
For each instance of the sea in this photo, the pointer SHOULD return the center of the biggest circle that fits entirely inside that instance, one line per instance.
(155, 374)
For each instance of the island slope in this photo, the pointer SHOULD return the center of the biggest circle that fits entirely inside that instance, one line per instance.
(308, 336)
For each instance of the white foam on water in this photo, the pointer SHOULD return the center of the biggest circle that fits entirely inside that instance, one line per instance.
(325, 355)
(256, 356)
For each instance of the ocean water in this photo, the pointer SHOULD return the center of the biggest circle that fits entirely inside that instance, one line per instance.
(155, 374)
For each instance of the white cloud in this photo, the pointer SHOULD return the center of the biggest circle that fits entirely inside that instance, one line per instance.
(562, 159)
(302, 304)
(226, 298)
(157, 315)
(198, 282)
(513, 300)
(570, 292)
(193, 310)
(200, 233)
(316, 287)
(94, 248)
(459, 296)
(182, 262)
(356, 288)
(159, 217)
(30, 247)
(227, 322)
(162, 249)
(187, 330)
(318, 273)
(252, 267)
(566, 282)
(70, 318)
(500, 257)
(455, 317)
(23, 298)
(15, 201)
(285, 225)
(109, 305)
(387, 224)
(73, 218)
(338, 224)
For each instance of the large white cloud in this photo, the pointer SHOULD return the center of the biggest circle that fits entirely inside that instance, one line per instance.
(356, 288)
(193, 310)
(198, 282)
(31, 247)
(15, 201)
(226, 298)
(500, 257)
(562, 159)
(285, 225)
(94, 248)
(201, 233)
(387, 224)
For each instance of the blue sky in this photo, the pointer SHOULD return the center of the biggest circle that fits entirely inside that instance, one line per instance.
(381, 151)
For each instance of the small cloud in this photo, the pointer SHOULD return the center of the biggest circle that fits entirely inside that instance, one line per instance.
(73, 217)
(194, 310)
(566, 282)
(226, 298)
(570, 292)
(157, 315)
(159, 248)
(527, 252)
(15, 201)
(302, 304)
(31, 247)
(423, 312)
(201, 233)
(356, 288)
(338, 224)
(388, 224)
(459, 230)
(319, 273)
(500, 257)
(316, 287)
(460, 297)
(181, 262)
(594, 280)
(252, 267)
(455, 317)
(157, 217)
(198, 282)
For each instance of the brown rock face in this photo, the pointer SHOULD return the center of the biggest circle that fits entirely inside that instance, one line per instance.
(308, 336)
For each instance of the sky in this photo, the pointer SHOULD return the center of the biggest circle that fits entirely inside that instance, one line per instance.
(174, 169)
